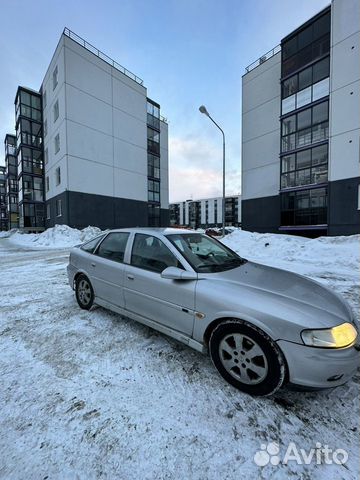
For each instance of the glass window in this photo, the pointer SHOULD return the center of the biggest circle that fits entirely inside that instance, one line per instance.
(289, 125)
(58, 208)
(303, 177)
(320, 132)
(303, 97)
(303, 159)
(290, 86)
(90, 246)
(55, 77)
(288, 104)
(305, 37)
(321, 89)
(48, 211)
(47, 184)
(322, 26)
(288, 163)
(321, 70)
(56, 110)
(319, 174)
(57, 143)
(204, 253)
(304, 119)
(288, 143)
(113, 247)
(25, 98)
(44, 98)
(303, 137)
(288, 180)
(289, 47)
(45, 128)
(57, 176)
(150, 253)
(319, 155)
(46, 155)
(320, 113)
(305, 78)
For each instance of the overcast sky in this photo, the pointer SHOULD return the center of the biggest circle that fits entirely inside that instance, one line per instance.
(189, 52)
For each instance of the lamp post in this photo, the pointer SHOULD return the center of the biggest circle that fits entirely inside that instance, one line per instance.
(205, 112)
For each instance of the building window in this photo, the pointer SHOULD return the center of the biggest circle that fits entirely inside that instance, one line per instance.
(44, 99)
(153, 166)
(305, 167)
(153, 191)
(306, 46)
(304, 207)
(48, 211)
(46, 155)
(47, 184)
(55, 77)
(306, 127)
(56, 110)
(57, 176)
(57, 143)
(154, 215)
(45, 128)
(58, 208)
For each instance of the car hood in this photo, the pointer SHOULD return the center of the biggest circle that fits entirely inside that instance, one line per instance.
(286, 287)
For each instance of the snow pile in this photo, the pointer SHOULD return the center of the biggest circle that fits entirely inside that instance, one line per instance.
(340, 253)
(60, 236)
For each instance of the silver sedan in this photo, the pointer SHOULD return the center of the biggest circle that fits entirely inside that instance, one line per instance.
(262, 326)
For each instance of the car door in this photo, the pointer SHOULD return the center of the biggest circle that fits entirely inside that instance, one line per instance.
(107, 268)
(168, 302)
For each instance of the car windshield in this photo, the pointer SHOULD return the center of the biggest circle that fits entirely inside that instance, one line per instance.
(205, 254)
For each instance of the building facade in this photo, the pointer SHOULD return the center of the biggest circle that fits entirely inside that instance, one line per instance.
(92, 148)
(206, 213)
(11, 182)
(300, 129)
(3, 209)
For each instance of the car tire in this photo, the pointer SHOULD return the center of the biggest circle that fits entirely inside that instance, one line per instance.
(247, 358)
(84, 292)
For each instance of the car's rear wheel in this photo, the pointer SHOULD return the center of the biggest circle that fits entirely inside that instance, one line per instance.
(84, 292)
(247, 358)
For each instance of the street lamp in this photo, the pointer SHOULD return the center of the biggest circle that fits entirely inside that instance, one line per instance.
(205, 112)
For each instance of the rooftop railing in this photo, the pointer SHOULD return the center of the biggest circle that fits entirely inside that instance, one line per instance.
(102, 55)
(263, 58)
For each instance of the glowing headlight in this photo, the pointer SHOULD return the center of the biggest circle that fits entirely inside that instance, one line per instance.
(336, 337)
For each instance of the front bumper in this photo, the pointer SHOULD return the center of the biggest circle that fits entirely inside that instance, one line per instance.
(71, 271)
(319, 367)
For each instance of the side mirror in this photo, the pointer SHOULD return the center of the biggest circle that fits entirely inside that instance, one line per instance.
(174, 273)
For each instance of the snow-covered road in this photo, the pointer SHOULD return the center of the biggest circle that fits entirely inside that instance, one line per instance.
(92, 395)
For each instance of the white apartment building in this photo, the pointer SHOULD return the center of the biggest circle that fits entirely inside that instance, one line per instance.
(301, 129)
(100, 154)
(206, 212)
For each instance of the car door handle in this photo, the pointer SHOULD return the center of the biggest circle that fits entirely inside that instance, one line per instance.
(93, 264)
(130, 277)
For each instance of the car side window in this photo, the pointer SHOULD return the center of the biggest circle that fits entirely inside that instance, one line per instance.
(113, 247)
(150, 253)
(90, 246)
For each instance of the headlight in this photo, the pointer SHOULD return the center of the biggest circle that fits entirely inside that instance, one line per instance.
(341, 336)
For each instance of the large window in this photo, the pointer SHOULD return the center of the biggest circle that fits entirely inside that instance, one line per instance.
(56, 110)
(153, 141)
(150, 253)
(305, 87)
(56, 143)
(306, 167)
(304, 207)
(310, 43)
(31, 188)
(153, 166)
(113, 247)
(306, 127)
(153, 115)
(153, 191)
(32, 214)
(30, 161)
(154, 215)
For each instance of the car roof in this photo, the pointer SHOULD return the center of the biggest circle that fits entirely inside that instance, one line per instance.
(155, 230)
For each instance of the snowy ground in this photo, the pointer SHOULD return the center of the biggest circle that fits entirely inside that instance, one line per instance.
(92, 395)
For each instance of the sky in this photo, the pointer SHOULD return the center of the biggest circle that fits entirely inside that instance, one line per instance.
(188, 52)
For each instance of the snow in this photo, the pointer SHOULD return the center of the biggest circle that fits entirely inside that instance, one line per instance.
(93, 395)
(60, 236)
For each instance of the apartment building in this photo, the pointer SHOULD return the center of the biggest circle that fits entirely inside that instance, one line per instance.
(206, 213)
(91, 146)
(300, 129)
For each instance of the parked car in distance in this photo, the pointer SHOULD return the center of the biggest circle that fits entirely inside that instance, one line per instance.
(262, 326)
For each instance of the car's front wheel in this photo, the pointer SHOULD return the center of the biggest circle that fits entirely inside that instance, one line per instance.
(84, 292)
(247, 358)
